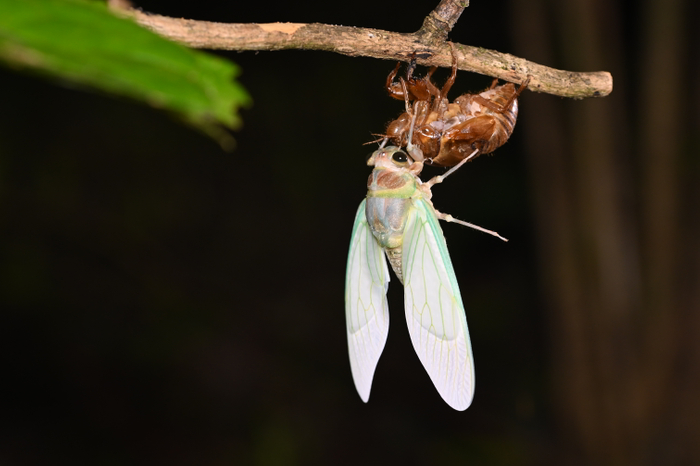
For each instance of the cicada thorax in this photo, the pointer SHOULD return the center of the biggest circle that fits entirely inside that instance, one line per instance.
(430, 126)
(391, 187)
(424, 134)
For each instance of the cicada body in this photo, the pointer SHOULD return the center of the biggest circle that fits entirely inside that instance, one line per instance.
(398, 220)
(446, 132)
(484, 123)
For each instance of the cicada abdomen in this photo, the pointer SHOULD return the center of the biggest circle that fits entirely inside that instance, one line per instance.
(484, 122)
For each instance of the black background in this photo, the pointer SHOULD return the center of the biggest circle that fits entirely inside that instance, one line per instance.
(165, 302)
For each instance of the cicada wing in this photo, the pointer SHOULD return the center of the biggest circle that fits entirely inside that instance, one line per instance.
(434, 310)
(366, 308)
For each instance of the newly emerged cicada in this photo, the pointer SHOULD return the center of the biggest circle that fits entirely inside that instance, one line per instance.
(397, 219)
(445, 132)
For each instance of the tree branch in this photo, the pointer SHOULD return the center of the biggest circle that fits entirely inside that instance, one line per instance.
(442, 19)
(428, 44)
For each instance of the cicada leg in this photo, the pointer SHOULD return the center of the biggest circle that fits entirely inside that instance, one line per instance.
(521, 88)
(450, 218)
(391, 85)
(447, 217)
(423, 88)
(413, 150)
(440, 102)
(432, 89)
(440, 178)
(415, 88)
(451, 80)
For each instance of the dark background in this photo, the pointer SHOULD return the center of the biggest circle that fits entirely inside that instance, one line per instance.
(164, 302)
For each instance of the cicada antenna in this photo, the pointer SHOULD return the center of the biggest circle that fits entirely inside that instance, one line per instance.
(381, 138)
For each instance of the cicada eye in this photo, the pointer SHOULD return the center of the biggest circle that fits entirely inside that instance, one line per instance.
(401, 158)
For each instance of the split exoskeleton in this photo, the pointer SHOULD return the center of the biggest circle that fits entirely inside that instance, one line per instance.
(445, 132)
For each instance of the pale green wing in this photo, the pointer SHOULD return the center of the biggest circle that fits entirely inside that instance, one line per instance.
(434, 309)
(366, 309)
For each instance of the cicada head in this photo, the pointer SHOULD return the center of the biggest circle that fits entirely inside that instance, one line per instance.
(390, 158)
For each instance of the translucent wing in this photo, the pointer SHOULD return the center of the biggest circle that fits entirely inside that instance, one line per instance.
(434, 309)
(366, 309)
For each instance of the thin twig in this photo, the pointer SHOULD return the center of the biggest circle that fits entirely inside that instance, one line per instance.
(442, 19)
(427, 46)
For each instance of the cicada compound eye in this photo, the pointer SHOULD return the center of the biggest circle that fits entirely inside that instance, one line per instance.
(401, 159)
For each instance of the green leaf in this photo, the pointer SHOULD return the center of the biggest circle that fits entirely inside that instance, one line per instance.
(83, 42)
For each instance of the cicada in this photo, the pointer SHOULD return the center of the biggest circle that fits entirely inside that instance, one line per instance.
(397, 220)
(444, 132)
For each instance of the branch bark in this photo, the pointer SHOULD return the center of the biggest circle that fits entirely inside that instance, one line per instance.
(442, 19)
(429, 45)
